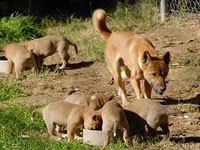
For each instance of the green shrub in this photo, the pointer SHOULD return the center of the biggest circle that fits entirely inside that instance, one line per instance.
(18, 28)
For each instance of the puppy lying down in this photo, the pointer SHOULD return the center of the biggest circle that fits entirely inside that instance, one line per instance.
(144, 112)
(68, 116)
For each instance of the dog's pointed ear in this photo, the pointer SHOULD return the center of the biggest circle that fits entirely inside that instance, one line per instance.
(146, 58)
(166, 58)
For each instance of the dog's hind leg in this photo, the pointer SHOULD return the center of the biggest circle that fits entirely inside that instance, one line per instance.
(51, 130)
(152, 125)
(115, 69)
(126, 131)
(165, 125)
(70, 131)
(106, 138)
(63, 52)
(18, 69)
(10, 66)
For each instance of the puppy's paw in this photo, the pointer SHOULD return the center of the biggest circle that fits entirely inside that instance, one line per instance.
(64, 136)
(59, 139)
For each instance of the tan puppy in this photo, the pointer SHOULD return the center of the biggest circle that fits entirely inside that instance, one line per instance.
(48, 45)
(148, 112)
(19, 58)
(137, 55)
(113, 117)
(74, 117)
(95, 102)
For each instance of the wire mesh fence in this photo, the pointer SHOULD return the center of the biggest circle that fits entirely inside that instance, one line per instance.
(190, 6)
(178, 7)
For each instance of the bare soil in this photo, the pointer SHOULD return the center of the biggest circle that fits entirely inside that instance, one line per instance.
(181, 39)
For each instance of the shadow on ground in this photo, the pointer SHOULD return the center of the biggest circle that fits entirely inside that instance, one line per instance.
(193, 100)
(185, 139)
(55, 67)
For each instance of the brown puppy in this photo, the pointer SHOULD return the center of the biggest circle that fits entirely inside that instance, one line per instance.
(48, 45)
(64, 114)
(113, 117)
(19, 58)
(95, 102)
(148, 112)
(137, 55)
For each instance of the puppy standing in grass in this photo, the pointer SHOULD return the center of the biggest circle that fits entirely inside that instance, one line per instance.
(19, 58)
(114, 118)
(136, 53)
(48, 45)
(64, 114)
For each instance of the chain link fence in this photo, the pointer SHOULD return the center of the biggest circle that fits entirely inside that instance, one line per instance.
(190, 6)
(175, 7)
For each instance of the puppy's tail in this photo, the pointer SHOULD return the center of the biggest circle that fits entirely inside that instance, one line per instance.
(99, 22)
(71, 90)
(75, 46)
(116, 124)
(39, 110)
(177, 112)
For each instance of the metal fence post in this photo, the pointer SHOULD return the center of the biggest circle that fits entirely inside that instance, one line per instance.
(163, 10)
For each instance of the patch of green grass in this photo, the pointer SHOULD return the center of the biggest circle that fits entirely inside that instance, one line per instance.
(17, 28)
(19, 132)
(10, 91)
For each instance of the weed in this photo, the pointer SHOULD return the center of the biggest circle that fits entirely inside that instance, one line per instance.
(144, 12)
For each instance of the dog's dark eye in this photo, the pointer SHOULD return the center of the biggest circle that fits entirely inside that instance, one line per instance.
(154, 74)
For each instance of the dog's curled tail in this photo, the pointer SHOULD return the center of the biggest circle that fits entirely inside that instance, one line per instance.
(75, 46)
(177, 112)
(39, 110)
(71, 90)
(99, 22)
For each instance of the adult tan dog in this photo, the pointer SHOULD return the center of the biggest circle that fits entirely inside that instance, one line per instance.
(68, 116)
(114, 118)
(95, 101)
(48, 45)
(148, 112)
(136, 53)
(19, 58)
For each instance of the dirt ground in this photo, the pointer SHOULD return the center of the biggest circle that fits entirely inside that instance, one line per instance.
(181, 39)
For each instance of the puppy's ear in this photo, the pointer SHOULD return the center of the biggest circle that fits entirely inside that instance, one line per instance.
(146, 58)
(29, 48)
(96, 117)
(166, 58)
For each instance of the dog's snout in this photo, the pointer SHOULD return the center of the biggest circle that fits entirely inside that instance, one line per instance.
(163, 88)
